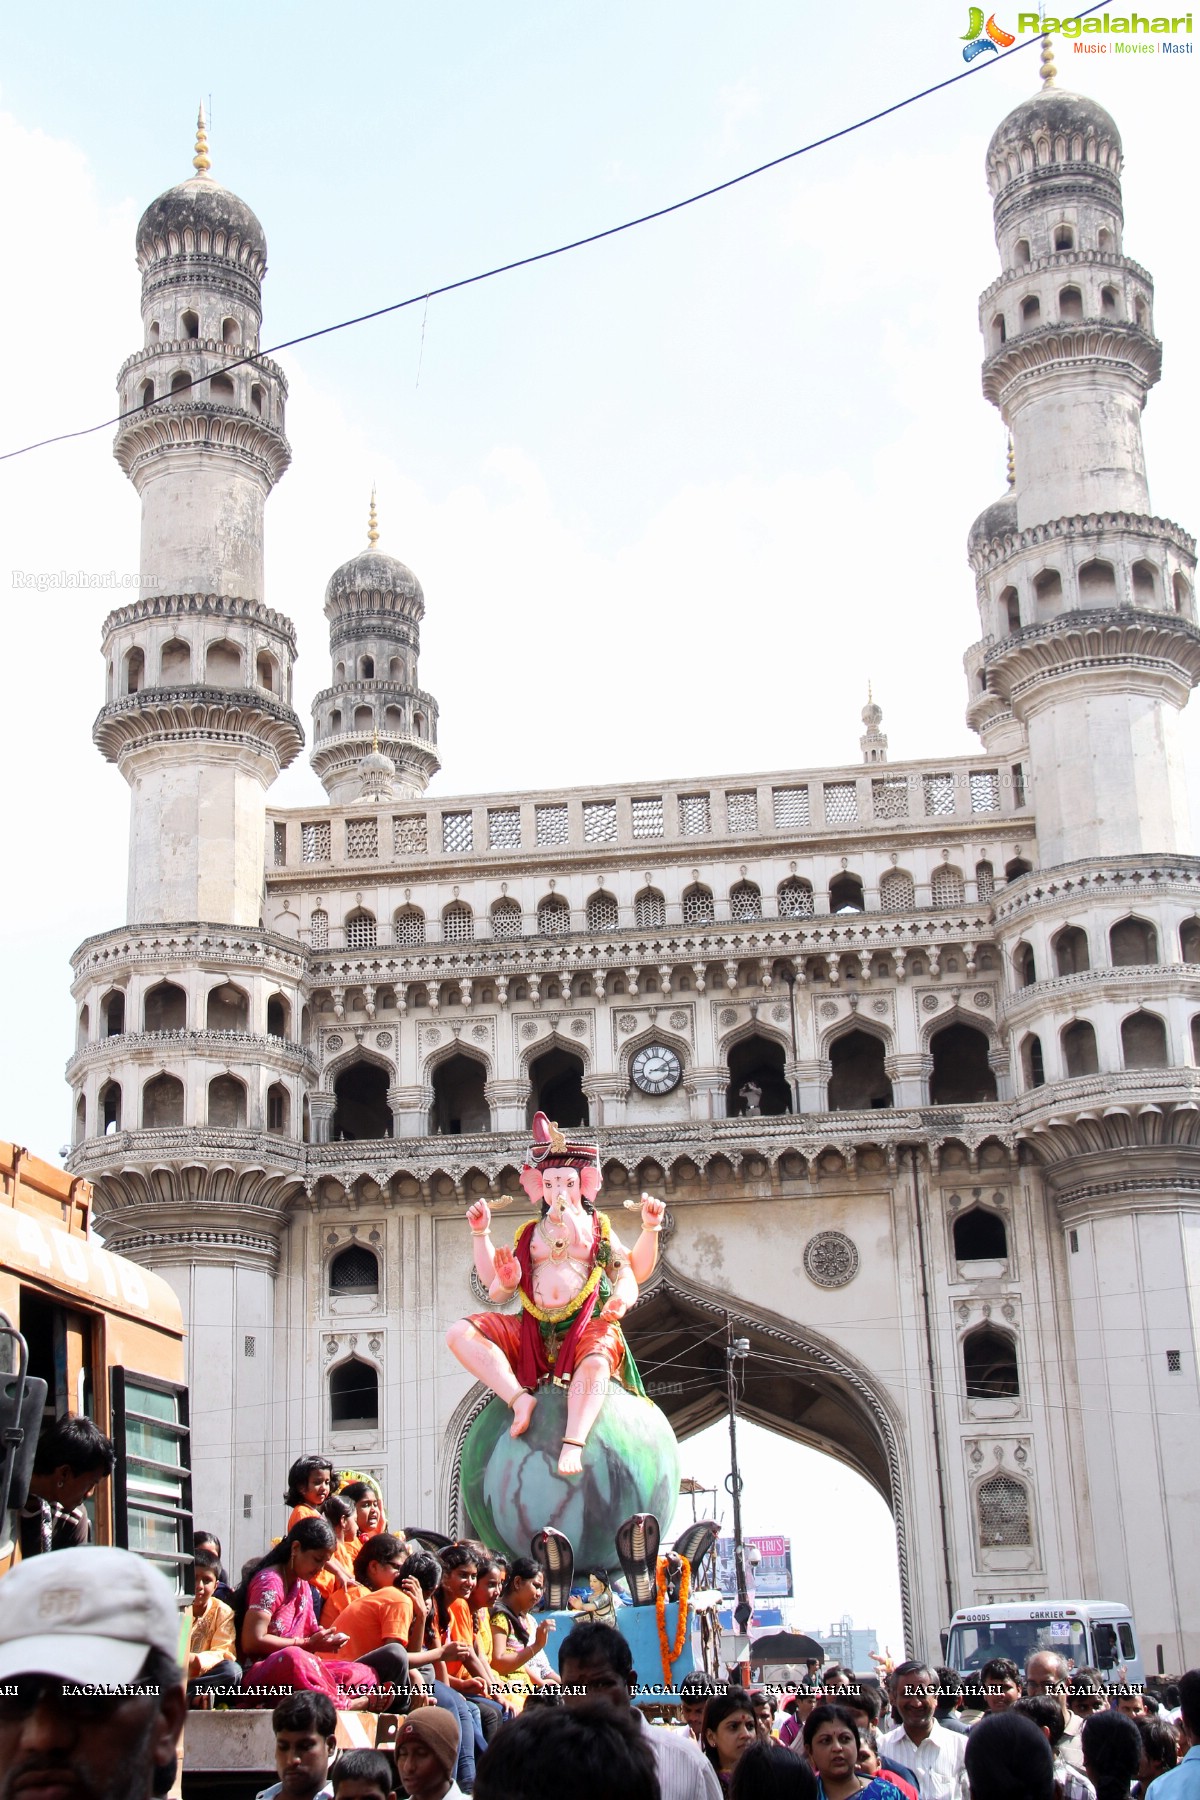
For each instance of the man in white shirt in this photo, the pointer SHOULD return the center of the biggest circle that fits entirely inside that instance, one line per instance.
(305, 1726)
(936, 1756)
(595, 1665)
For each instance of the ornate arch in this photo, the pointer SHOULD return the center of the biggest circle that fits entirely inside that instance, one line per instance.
(442, 1053)
(651, 1034)
(841, 1028)
(959, 1014)
(748, 1028)
(345, 1059)
(554, 1040)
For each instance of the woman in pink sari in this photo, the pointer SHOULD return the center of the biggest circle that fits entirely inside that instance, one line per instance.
(284, 1648)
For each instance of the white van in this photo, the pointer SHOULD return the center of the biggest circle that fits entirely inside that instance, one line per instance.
(1096, 1634)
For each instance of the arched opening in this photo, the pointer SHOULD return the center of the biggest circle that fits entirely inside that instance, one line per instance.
(1110, 303)
(985, 880)
(409, 927)
(1141, 314)
(360, 930)
(364, 718)
(459, 1100)
(858, 1080)
(1024, 965)
(393, 718)
(1133, 943)
(222, 388)
(980, 1236)
(147, 393)
(396, 669)
(335, 719)
(318, 928)
(1144, 1041)
(1070, 303)
(1064, 237)
(962, 1075)
(181, 382)
(256, 397)
(354, 1396)
(266, 672)
(80, 1120)
(1021, 253)
(458, 923)
(228, 1009)
(1079, 1049)
(112, 1013)
(175, 663)
(990, 1364)
(1070, 947)
(231, 331)
(419, 724)
(556, 1088)
(1104, 240)
(896, 891)
(697, 905)
(946, 886)
(1010, 608)
(1016, 868)
(745, 901)
(82, 1027)
(354, 1270)
(165, 1008)
(756, 1062)
(1047, 591)
(1004, 1521)
(603, 914)
(998, 332)
(155, 331)
(1097, 583)
(553, 917)
(135, 671)
(650, 910)
(109, 1099)
(1145, 583)
(366, 668)
(1189, 941)
(278, 1016)
(1182, 592)
(162, 1103)
(846, 894)
(1031, 311)
(279, 1109)
(795, 899)
(223, 664)
(227, 1102)
(1196, 1038)
(1033, 1068)
(189, 325)
(361, 1109)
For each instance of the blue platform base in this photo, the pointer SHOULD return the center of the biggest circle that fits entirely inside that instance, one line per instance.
(639, 1626)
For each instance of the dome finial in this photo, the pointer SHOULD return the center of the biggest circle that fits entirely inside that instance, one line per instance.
(201, 162)
(1049, 72)
(1011, 463)
(372, 522)
(873, 742)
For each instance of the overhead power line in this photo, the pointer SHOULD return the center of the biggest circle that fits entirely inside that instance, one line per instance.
(538, 256)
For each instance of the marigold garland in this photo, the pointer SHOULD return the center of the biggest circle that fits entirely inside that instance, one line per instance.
(671, 1653)
(555, 1315)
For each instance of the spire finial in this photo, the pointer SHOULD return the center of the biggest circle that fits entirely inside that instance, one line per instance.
(1011, 463)
(372, 521)
(1049, 72)
(201, 162)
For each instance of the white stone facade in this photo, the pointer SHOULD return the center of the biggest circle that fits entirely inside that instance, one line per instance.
(924, 1097)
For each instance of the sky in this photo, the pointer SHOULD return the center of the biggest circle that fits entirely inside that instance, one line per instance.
(674, 498)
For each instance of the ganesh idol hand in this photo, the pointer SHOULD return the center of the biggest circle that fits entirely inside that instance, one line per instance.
(614, 1309)
(479, 1216)
(508, 1269)
(653, 1212)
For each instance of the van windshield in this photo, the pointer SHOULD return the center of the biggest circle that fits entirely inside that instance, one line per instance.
(973, 1645)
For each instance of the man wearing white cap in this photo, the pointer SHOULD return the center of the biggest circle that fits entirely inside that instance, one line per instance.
(91, 1692)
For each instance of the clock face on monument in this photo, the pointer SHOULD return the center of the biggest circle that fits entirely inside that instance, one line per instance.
(655, 1069)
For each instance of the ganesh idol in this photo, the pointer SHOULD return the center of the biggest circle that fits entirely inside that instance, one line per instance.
(575, 1281)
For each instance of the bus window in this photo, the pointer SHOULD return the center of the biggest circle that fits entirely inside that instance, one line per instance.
(152, 1483)
(1128, 1648)
(1105, 1639)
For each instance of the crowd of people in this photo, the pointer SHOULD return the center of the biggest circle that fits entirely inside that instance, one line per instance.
(341, 1612)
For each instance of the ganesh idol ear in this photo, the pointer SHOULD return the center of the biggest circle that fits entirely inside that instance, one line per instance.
(590, 1181)
(531, 1181)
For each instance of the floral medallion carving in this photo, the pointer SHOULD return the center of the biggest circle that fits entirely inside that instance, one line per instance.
(831, 1259)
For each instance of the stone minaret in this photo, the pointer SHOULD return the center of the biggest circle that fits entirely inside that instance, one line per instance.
(374, 710)
(197, 711)
(189, 1078)
(1086, 600)
(1089, 652)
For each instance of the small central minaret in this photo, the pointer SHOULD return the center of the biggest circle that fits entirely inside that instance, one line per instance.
(374, 713)
(197, 713)
(1089, 646)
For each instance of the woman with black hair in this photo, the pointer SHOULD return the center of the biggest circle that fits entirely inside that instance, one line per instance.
(470, 1675)
(766, 1771)
(1112, 1754)
(309, 1485)
(727, 1732)
(1008, 1758)
(518, 1642)
(282, 1645)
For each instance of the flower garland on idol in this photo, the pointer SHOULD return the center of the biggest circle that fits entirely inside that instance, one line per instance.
(671, 1652)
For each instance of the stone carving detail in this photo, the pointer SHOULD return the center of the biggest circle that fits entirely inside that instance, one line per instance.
(480, 1033)
(729, 1017)
(881, 1007)
(828, 1009)
(431, 1035)
(529, 1029)
(375, 1344)
(779, 1014)
(982, 998)
(627, 1022)
(831, 1259)
(334, 1042)
(930, 1002)
(679, 1021)
(579, 1027)
(384, 1040)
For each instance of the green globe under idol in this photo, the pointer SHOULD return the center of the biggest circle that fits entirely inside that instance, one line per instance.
(571, 1441)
